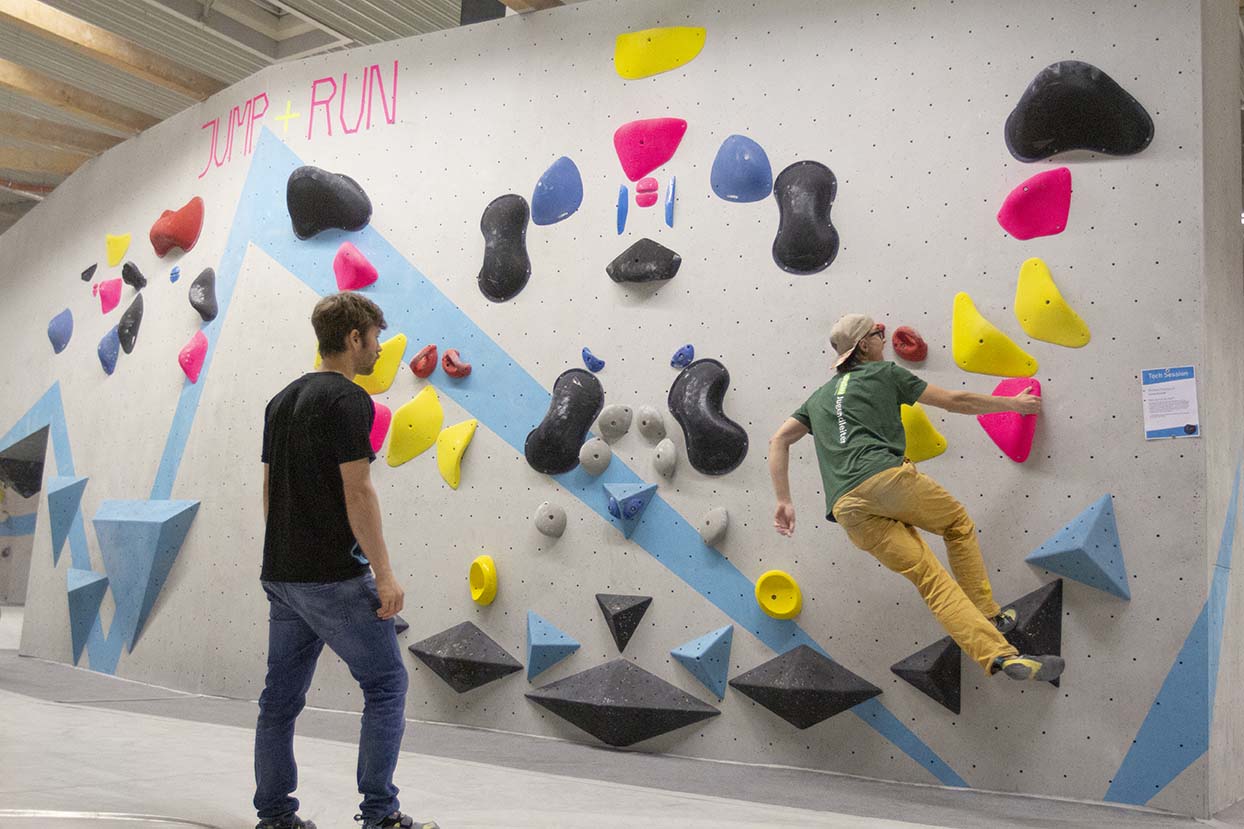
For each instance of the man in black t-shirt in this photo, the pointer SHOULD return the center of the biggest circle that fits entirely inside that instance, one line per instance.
(322, 544)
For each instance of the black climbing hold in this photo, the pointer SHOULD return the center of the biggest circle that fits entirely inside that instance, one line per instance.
(507, 267)
(935, 671)
(806, 240)
(620, 704)
(131, 275)
(21, 463)
(644, 261)
(804, 687)
(553, 446)
(715, 443)
(1039, 626)
(1073, 105)
(203, 295)
(127, 329)
(400, 625)
(89, 273)
(622, 614)
(319, 200)
(465, 657)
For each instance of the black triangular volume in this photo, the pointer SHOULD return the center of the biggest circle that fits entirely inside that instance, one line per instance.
(21, 463)
(804, 687)
(935, 671)
(619, 703)
(1039, 628)
(400, 625)
(622, 614)
(465, 657)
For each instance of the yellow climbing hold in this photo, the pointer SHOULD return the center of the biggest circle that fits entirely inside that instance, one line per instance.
(116, 247)
(1043, 312)
(450, 445)
(392, 351)
(979, 346)
(778, 595)
(415, 427)
(653, 51)
(923, 439)
(483, 579)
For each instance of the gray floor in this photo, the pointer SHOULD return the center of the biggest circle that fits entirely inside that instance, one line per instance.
(80, 741)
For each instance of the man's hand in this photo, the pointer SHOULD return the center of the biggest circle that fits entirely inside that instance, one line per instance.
(1027, 403)
(392, 597)
(784, 518)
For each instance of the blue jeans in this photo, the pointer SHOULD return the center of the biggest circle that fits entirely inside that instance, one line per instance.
(302, 618)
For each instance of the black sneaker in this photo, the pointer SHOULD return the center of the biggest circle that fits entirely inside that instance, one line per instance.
(397, 820)
(1005, 620)
(1037, 668)
(287, 822)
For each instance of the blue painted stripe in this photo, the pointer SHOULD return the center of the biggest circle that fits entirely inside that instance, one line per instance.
(18, 525)
(1173, 432)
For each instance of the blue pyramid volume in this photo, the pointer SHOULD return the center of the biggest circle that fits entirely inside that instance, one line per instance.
(627, 503)
(546, 645)
(708, 658)
(64, 498)
(86, 591)
(1087, 550)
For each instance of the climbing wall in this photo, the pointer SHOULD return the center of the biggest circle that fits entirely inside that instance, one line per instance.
(889, 119)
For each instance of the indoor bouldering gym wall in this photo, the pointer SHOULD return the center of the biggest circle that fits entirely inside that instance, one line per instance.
(610, 240)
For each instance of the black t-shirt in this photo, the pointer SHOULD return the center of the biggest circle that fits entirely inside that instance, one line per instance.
(316, 423)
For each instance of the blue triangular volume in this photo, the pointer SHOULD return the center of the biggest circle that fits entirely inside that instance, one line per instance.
(627, 503)
(1087, 550)
(708, 658)
(64, 498)
(86, 591)
(546, 645)
(139, 541)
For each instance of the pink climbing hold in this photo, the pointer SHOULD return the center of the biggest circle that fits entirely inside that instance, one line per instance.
(646, 192)
(109, 294)
(645, 145)
(192, 356)
(1012, 431)
(352, 268)
(380, 425)
(1039, 206)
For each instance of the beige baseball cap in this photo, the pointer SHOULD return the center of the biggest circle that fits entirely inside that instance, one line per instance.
(847, 333)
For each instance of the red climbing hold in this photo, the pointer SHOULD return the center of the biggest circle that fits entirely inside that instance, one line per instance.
(643, 146)
(109, 294)
(192, 356)
(454, 365)
(424, 362)
(1039, 206)
(178, 228)
(909, 345)
(352, 268)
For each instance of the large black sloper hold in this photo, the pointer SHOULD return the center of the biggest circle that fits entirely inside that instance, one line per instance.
(806, 240)
(715, 443)
(553, 447)
(1073, 105)
(644, 261)
(319, 200)
(507, 267)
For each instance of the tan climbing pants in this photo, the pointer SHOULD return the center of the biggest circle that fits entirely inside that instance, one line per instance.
(881, 516)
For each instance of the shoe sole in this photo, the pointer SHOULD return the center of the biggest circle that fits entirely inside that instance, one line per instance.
(1051, 669)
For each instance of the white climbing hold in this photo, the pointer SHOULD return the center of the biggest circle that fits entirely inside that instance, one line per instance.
(666, 458)
(551, 520)
(713, 525)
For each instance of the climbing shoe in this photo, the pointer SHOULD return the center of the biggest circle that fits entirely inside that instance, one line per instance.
(287, 822)
(1038, 668)
(1005, 621)
(397, 820)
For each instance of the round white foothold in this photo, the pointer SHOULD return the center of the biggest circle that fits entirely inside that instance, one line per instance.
(594, 456)
(713, 525)
(614, 421)
(651, 423)
(666, 458)
(550, 520)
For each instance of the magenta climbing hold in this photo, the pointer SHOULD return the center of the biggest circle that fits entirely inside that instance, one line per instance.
(1039, 206)
(643, 146)
(352, 269)
(192, 355)
(380, 425)
(109, 294)
(1012, 431)
(646, 192)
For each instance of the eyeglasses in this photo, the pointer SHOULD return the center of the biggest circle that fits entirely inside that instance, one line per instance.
(879, 334)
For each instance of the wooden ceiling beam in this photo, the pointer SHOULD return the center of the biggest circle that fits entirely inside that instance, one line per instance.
(18, 78)
(54, 135)
(55, 162)
(54, 25)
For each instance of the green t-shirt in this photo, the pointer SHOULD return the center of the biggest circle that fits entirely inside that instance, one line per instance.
(856, 422)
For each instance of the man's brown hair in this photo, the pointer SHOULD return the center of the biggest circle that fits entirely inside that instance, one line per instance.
(336, 315)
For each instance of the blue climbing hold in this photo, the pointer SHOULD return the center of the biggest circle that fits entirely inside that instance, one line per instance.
(627, 503)
(624, 204)
(708, 658)
(683, 357)
(60, 329)
(593, 363)
(741, 171)
(174, 274)
(559, 192)
(86, 591)
(669, 201)
(109, 347)
(64, 498)
(546, 645)
(1087, 550)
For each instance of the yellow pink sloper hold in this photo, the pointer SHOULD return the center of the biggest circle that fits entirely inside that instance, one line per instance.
(116, 246)
(392, 351)
(1042, 311)
(653, 51)
(923, 440)
(451, 444)
(415, 427)
(980, 347)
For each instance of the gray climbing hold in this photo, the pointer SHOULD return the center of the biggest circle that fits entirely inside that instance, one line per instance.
(594, 456)
(614, 421)
(713, 525)
(666, 458)
(651, 423)
(551, 519)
